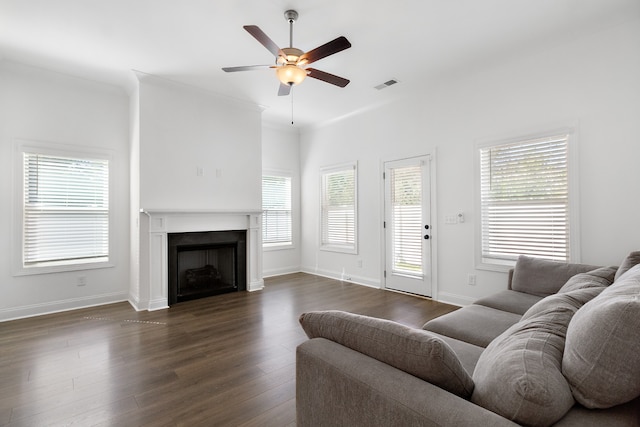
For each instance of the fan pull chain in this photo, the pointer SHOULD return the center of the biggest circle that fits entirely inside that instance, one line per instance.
(291, 105)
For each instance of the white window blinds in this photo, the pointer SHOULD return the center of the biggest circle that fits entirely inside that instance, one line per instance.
(66, 209)
(406, 203)
(338, 222)
(276, 206)
(525, 200)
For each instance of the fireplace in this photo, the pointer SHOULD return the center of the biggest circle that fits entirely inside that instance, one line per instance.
(203, 264)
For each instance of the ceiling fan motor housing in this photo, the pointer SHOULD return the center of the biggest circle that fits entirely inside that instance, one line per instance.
(291, 15)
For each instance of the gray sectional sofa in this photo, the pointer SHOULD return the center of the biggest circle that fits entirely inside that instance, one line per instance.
(560, 346)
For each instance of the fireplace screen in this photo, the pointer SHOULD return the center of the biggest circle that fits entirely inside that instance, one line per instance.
(206, 264)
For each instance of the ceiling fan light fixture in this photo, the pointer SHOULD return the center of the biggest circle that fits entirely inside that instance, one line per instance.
(291, 74)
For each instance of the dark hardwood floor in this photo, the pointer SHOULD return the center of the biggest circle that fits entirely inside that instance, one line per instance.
(227, 360)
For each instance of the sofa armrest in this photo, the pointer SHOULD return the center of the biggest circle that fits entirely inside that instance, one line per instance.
(337, 386)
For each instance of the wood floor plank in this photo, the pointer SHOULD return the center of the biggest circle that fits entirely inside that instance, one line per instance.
(223, 360)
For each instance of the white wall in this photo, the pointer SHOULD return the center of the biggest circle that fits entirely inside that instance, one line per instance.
(183, 129)
(281, 152)
(591, 81)
(39, 105)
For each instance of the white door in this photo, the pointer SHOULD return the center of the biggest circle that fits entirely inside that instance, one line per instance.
(407, 226)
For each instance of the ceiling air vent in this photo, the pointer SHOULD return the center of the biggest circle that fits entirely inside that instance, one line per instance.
(386, 84)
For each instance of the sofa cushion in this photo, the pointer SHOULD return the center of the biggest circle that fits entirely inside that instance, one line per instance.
(468, 354)
(475, 324)
(511, 301)
(519, 374)
(411, 350)
(574, 299)
(631, 260)
(603, 343)
(542, 277)
(597, 278)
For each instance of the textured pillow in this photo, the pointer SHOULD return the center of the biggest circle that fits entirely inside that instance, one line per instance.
(632, 259)
(542, 277)
(414, 351)
(519, 374)
(574, 299)
(601, 277)
(603, 344)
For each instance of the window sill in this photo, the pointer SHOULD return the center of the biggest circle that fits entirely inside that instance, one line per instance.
(47, 268)
(341, 249)
(278, 246)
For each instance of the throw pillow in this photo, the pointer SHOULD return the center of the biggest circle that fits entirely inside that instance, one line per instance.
(414, 351)
(632, 259)
(603, 343)
(543, 277)
(519, 374)
(600, 277)
(574, 299)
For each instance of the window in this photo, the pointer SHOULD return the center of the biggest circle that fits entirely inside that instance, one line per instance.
(525, 201)
(339, 208)
(406, 221)
(65, 209)
(276, 210)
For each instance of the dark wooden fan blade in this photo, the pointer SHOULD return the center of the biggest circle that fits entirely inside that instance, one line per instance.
(334, 46)
(245, 68)
(327, 77)
(264, 40)
(284, 89)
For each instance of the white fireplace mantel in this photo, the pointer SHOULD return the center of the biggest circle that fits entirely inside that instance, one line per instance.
(156, 224)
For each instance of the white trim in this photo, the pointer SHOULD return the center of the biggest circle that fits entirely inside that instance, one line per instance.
(432, 156)
(57, 149)
(347, 249)
(32, 310)
(287, 245)
(358, 280)
(572, 131)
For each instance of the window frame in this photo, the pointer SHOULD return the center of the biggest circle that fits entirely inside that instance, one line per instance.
(282, 245)
(335, 247)
(65, 151)
(573, 217)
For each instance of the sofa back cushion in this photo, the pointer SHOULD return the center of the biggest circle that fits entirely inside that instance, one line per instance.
(603, 276)
(519, 374)
(414, 351)
(603, 343)
(630, 261)
(542, 277)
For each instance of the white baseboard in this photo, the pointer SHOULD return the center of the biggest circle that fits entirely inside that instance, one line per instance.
(358, 280)
(32, 310)
(281, 271)
(454, 299)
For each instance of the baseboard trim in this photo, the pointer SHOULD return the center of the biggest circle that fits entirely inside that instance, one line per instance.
(41, 309)
(454, 299)
(281, 271)
(358, 280)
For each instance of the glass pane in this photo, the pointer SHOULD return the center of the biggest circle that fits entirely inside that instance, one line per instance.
(406, 204)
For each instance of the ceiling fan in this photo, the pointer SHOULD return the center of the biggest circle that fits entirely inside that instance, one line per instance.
(291, 63)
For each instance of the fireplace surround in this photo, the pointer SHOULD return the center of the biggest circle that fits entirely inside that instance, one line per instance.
(150, 284)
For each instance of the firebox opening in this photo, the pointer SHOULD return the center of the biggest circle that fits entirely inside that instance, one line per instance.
(204, 264)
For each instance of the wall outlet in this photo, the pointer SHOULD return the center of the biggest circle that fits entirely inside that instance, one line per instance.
(360, 263)
(471, 279)
(82, 281)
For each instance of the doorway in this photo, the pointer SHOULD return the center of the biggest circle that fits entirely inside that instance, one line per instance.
(407, 225)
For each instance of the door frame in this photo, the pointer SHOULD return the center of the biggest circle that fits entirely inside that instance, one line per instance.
(434, 220)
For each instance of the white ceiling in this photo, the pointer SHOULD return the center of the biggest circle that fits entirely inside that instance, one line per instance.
(414, 41)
